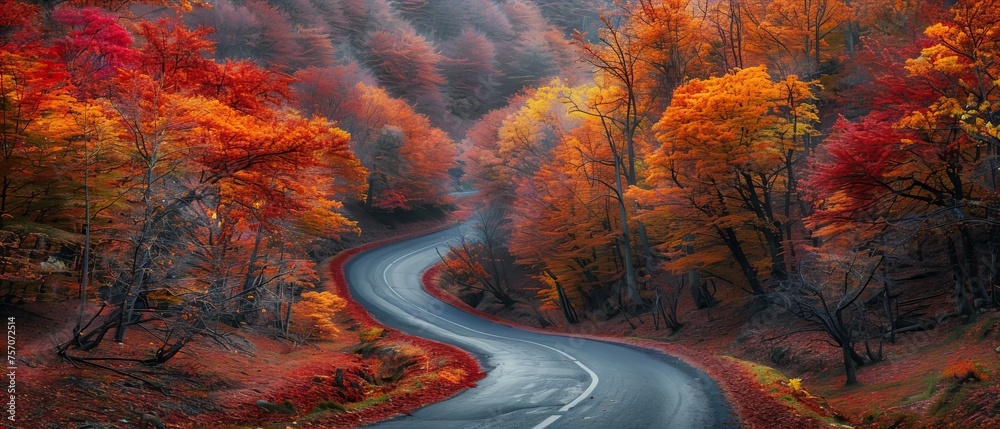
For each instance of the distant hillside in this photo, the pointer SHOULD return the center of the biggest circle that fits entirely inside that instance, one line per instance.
(453, 60)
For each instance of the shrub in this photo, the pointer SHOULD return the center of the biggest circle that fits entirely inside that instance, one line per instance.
(795, 384)
(966, 369)
(316, 311)
(370, 334)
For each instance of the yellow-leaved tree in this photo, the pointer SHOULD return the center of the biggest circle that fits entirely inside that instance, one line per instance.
(722, 182)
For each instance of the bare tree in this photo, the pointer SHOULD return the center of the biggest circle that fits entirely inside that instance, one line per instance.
(830, 294)
(482, 262)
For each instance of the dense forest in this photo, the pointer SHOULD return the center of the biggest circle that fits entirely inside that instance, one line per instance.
(816, 156)
(206, 149)
(807, 154)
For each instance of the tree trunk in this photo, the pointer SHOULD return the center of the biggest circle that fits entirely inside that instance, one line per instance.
(85, 270)
(852, 379)
(958, 272)
(567, 306)
(626, 245)
(976, 284)
(370, 195)
(729, 237)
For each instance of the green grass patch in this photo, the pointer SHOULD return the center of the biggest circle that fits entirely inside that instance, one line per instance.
(890, 419)
(772, 381)
(330, 406)
(988, 327)
(333, 407)
(953, 397)
(367, 403)
(930, 381)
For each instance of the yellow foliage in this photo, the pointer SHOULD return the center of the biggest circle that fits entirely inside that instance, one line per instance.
(370, 334)
(316, 311)
(452, 375)
(743, 125)
(795, 384)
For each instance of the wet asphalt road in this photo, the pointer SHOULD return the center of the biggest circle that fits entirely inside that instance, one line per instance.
(534, 380)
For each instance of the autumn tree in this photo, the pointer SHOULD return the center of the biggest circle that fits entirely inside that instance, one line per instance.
(486, 166)
(567, 225)
(536, 54)
(481, 260)
(408, 66)
(726, 23)
(419, 166)
(723, 168)
(622, 105)
(609, 107)
(832, 294)
(675, 49)
(790, 37)
(793, 35)
(222, 179)
(328, 92)
(928, 162)
(470, 69)
(30, 83)
(316, 312)
(94, 46)
(387, 168)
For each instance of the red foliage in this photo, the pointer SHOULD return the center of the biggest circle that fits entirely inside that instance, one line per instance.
(327, 91)
(247, 87)
(391, 199)
(860, 154)
(405, 63)
(95, 46)
(16, 22)
(175, 54)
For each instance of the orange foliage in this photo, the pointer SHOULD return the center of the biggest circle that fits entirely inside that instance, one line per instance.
(416, 173)
(565, 218)
(315, 312)
(965, 369)
(728, 144)
(452, 375)
(464, 263)
(148, 133)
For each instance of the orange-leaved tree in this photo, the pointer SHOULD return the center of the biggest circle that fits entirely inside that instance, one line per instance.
(407, 158)
(720, 176)
(568, 225)
(224, 183)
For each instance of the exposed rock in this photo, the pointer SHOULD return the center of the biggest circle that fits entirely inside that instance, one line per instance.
(151, 421)
(287, 407)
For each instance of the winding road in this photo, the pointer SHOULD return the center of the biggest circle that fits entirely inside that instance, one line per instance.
(534, 380)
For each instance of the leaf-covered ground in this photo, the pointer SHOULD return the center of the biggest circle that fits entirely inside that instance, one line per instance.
(365, 375)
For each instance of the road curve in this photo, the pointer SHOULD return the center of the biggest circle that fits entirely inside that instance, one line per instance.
(534, 380)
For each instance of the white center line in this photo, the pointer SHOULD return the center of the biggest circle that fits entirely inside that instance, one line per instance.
(546, 422)
(593, 376)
